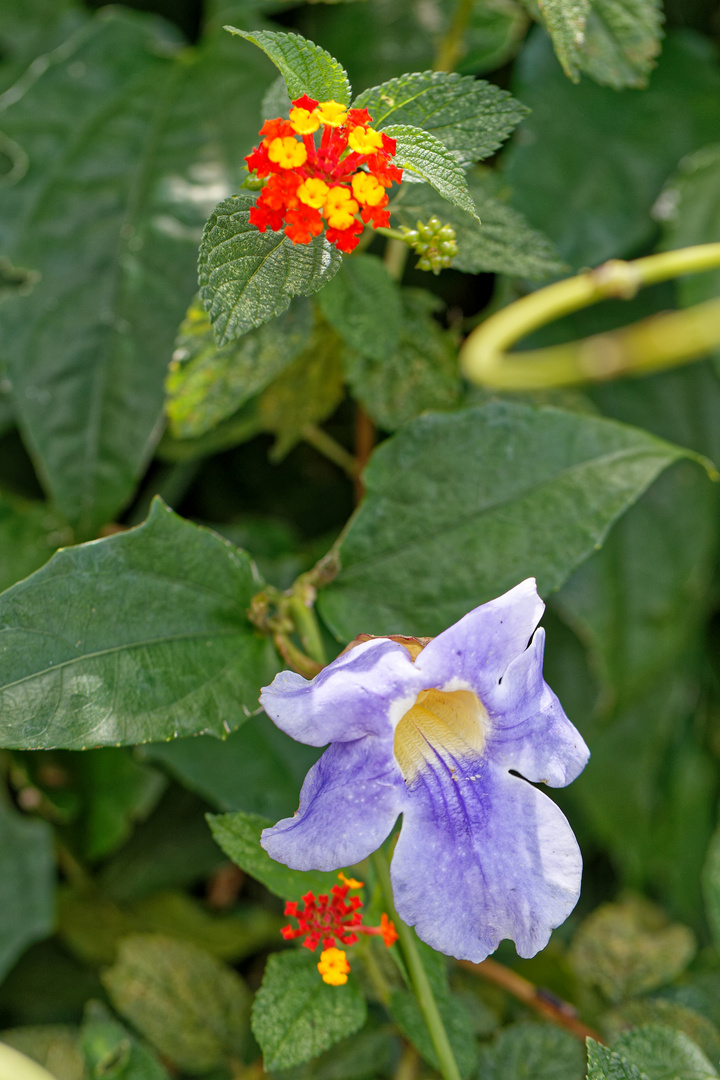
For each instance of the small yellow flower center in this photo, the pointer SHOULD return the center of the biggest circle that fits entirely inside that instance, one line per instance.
(332, 113)
(313, 192)
(333, 967)
(287, 152)
(365, 140)
(446, 724)
(367, 189)
(303, 121)
(340, 208)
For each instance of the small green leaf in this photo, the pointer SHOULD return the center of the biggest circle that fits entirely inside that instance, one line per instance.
(26, 884)
(239, 836)
(566, 20)
(533, 1051)
(640, 1012)
(422, 155)
(306, 392)
(112, 1053)
(470, 117)
(629, 948)
(420, 373)
(622, 40)
(296, 1015)
(188, 1004)
(605, 1064)
(206, 384)
(461, 506)
(139, 637)
(362, 303)
(502, 242)
(306, 68)
(248, 277)
(662, 1053)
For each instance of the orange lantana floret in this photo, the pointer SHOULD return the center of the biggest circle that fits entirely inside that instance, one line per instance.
(343, 175)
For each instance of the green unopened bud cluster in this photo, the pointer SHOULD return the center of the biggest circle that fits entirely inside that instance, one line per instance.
(434, 242)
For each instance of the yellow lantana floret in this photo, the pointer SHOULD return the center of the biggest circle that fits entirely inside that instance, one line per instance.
(304, 121)
(333, 967)
(340, 208)
(313, 192)
(332, 113)
(287, 152)
(365, 140)
(367, 189)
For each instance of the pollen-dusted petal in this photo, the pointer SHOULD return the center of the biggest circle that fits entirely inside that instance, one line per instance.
(367, 190)
(304, 122)
(474, 653)
(332, 113)
(529, 731)
(340, 208)
(287, 152)
(365, 140)
(365, 691)
(313, 192)
(348, 804)
(482, 856)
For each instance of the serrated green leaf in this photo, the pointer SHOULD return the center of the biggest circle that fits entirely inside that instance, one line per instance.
(239, 836)
(368, 1054)
(207, 384)
(461, 506)
(362, 303)
(470, 117)
(622, 40)
(503, 242)
(139, 637)
(306, 68)
(612, 152)
(248, 277)
(420, 373)
(629, 948)
(54, 1046)
(533, 1051)
(188, 1004)
(422, 155)
(296, 1015)
(27, 870)
(566, 21)
(670, 1013)
(662, 1053)
(605, 1064)
(406, 1013)
(306, 392)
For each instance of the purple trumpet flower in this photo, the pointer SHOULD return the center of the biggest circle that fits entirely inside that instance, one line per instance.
(446, 732)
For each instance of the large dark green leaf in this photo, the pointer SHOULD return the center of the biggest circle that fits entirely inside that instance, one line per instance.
(537, 1051)
(26, 884)
(472, 118)
(247, 277)
(139, 637)
(566, 20)
(593, 161)
(306, 68)
(362, 303)
(460, 507)
(663, 1054)
(424, 157)
(622, 41)
(30, 532)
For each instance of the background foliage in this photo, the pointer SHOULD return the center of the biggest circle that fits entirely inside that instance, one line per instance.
(188, 452)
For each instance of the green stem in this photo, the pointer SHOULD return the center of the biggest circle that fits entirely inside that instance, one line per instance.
(450, 48)
(661, 341)
(395, 257)
(330, 448)
(418, 976)
(303, 615)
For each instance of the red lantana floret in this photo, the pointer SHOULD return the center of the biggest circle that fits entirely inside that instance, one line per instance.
(323, 184)
(333, 919)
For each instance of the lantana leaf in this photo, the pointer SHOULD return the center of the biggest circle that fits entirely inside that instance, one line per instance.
(140, 637)
(248, 277)
(363, 304)
(296, 1015)
(605, 1064)
(469, 116)
(566, 21)
(622, 40)
(306, 68)
(660, 1051)
(424, 157)
(503, 243)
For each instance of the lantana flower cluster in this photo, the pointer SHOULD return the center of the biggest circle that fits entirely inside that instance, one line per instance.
(332, 919)
(312, 186)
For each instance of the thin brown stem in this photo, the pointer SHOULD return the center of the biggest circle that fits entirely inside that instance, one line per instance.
(542, 1001)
